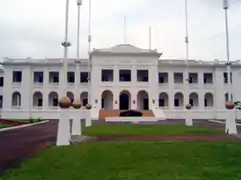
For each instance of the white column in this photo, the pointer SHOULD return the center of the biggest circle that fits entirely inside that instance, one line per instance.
(76, 125)
(188, 120)
(201, 100)
(63, 135)
(171, 98)
(45, 93)
(230, 126)
(116, 75)
(88, 121)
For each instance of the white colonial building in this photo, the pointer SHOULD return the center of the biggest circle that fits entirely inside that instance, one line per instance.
(122, 77)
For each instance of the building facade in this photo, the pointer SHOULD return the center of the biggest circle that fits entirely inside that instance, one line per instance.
(122, 77)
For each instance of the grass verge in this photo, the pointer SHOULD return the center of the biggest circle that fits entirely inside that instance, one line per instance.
(132, 161)
(147, 130)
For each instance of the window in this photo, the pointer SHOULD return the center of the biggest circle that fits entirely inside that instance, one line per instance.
(107, 75)
(190, 80)
(161, 102)
(40, 102)
(142, 75)
(1, 81)
(227, 97)
(193, 78)
(85, 102)
(1, 101)
(208, 78)
(163, 78)
(16, 99)
(17, 76)
(54, 77)
(205, 102)
(191, 102)
(102, 103)
(84, 77)
(125, 75)
(178, 77)
(55, 102)
(38, 77)
(71, 77)
(176, 102)
(225, 77)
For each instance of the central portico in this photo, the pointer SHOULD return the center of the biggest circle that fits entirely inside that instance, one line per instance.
(126, 76)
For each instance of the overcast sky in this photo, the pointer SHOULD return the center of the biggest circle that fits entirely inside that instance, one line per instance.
(35, 28)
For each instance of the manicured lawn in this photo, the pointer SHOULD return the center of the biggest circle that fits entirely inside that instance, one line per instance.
(27, 120)
(134, 161)
(145, 130)
(4, 125)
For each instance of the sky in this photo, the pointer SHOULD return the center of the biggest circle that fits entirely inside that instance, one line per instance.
(35, 28)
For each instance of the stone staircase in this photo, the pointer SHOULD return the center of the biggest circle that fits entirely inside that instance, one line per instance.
(115, 113)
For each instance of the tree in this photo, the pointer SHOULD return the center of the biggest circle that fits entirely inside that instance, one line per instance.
(237, 105)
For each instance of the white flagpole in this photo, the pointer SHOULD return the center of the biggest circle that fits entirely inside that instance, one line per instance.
(188, 107)
(225, 7)
(150, 37)
(187, 47)
(89, 53)
(125, 30)
(79, 3)
(66, 45)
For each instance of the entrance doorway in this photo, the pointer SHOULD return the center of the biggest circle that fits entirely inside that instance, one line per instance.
(146, 104)
(124, 100)
(142, 100)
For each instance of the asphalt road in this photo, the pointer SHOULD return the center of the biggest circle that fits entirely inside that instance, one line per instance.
(18, 144)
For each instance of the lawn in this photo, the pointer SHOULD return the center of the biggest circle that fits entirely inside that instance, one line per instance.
(5, 126)
(133, 161)
(147, 130)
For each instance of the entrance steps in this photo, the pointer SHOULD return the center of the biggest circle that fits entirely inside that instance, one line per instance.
(103, 114)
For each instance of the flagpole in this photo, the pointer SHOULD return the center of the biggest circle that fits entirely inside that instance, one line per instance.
(188, 106)
(187, 49)
(66, 45)
(228, 64)
(89, 53)
(79, 3)
(125, 30)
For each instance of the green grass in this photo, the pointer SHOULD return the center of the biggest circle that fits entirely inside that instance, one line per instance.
(27, 120)
(145, 130)
(134, 161)
(5, 126)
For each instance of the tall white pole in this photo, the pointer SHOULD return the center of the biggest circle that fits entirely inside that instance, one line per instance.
(79, 3)
(230, 127)
(187, 48)
(89, 52)
(66, 44)
(150, 37)
(228, 64)
(63, 133)
(188, 107)
(125, 30)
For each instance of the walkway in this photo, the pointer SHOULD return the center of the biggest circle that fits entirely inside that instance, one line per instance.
(25, 142)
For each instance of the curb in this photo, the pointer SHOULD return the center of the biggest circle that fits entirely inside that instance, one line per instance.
(22, 126)
(221, 122)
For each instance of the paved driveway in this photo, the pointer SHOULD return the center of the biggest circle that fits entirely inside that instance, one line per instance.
(15, 145)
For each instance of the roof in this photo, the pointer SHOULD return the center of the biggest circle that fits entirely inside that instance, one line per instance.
(125, 49)
(32, 61)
